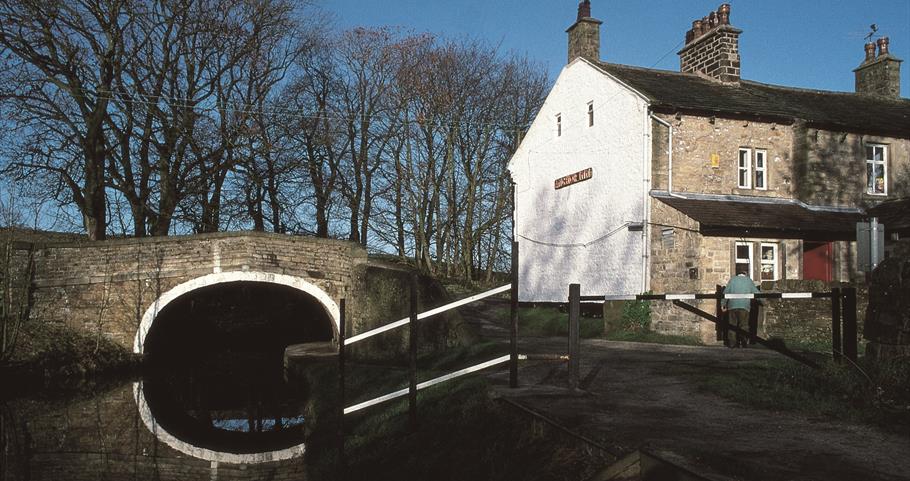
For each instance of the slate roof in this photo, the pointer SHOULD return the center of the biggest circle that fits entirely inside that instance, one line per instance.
(740, 216)
(894, 214)
(674, 91)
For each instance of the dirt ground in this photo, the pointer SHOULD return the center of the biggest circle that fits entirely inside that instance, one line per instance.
(630, 399)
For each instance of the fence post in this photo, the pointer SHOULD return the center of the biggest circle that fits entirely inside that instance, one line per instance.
(574, 314)
(720, 327)
(412, 364)
(513, 321)
(754, 306)
(835, 324)
(341, 393)
(850, 323)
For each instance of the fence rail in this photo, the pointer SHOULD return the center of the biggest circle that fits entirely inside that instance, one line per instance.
(423, 315)
(711, 295)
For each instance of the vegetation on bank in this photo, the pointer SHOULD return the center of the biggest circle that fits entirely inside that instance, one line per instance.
(629, 322)
(871, 392)
(462, 432)
(52, 354)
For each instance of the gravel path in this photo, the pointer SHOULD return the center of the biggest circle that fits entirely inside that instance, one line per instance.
(630, 399)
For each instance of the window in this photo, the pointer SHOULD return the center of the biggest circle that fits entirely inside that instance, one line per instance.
(876, 169)
(743, 259)
(769, 264)
(559, 125)
(591, 113)
(744, 177)
(761, 170)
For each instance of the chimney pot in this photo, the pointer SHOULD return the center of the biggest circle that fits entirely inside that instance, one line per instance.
(712, 19)
(697, 28)
(690, 35)
(584, 9)
(723, 14)
(870, 52)
(883, 46)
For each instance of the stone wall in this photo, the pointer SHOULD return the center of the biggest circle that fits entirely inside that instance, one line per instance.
(107, 286)
(706, 152)
(830, 167)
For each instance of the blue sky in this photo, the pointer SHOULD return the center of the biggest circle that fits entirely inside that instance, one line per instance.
(811, 44)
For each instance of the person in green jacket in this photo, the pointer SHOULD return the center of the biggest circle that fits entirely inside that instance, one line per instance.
(739, 308)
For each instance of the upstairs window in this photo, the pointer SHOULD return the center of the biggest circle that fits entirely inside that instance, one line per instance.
(559, 125)
(591, 114)
(761, 170)
(876, 169)
(744, 169)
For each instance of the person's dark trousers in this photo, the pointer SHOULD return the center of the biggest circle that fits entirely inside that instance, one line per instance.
(739, 318)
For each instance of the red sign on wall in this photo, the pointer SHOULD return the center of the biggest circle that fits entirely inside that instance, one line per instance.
(575, 178)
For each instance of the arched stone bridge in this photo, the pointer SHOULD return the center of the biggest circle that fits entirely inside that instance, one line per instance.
(117, 288)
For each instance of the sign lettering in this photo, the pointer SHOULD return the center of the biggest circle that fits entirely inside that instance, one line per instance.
(575, 178)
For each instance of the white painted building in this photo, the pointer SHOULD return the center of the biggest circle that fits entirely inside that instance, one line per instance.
(575, 230)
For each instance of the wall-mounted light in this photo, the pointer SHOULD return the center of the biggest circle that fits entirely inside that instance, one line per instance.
(636, 226)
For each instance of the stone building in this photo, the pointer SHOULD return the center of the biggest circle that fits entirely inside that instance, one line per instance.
(633, 179)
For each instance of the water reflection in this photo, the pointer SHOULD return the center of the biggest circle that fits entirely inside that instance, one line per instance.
(236, 410)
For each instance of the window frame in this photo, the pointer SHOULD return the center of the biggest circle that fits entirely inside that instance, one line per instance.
(774, 262)
(764, 169)
(744, 172)
(741, 260)
(591, 114)
(870, 189)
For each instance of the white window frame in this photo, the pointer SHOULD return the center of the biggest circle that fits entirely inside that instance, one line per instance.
(774, 262)
(559, 125)
(872, 162)
(763, 154)
(744, 172)
(591, 114)
(742, 260)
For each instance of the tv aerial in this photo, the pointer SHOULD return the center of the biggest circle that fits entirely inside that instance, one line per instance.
(874, 29)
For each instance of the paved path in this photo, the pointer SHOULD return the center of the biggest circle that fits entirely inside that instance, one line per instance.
(631, 398)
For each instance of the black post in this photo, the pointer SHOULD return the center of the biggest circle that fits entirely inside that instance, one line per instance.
(412, 368)
(850, 323)
(754, 306)
(574, 313)
(835, 324)
(341, 393)
(513, 321)
(720, 328)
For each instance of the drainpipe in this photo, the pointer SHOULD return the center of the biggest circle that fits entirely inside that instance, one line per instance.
(669, 156)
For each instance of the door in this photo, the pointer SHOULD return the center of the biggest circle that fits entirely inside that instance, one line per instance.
(818, 261)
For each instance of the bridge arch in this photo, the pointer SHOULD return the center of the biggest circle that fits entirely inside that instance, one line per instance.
(148, 318)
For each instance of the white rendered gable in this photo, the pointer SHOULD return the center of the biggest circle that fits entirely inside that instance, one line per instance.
(580, 233)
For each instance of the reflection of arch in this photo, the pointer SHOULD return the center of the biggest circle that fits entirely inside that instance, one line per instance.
(235, 276)
(202, 453)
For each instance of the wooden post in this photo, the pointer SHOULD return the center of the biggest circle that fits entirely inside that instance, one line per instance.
(850, 323)
(720, 328)
(754, 306)
(513, 321)
(412, 365)
(341, 393)
(835, 324)
(574, 314)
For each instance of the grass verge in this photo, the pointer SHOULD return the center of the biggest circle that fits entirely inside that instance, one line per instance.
(551, 322)
(869, 393)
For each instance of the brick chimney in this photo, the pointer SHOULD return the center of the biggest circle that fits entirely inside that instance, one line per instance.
(712, 47)
(879, 74)
(584, 35)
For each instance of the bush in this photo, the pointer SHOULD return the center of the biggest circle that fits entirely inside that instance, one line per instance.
(636, 316)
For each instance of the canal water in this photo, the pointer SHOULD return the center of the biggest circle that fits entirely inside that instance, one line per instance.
(242, 421)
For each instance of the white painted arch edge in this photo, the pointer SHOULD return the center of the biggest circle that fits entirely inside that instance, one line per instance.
(145, 413)
(233, 276)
